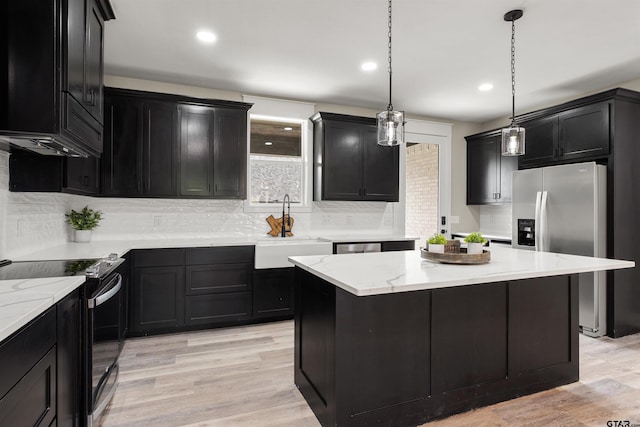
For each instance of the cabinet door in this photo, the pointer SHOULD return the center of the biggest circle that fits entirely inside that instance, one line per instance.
(381, 168)
(196, 149)
(230, 154)
(541, 142)
(160, 149)
(508, 164)
(584, 132)
(93, 61)
(81, 175)
(158, 298)
(121, 161)
(482, 170)
(69, 359)
(75, 39)
(342, 162)
(273, 292)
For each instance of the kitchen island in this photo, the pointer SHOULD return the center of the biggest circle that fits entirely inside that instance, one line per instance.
(392, 339)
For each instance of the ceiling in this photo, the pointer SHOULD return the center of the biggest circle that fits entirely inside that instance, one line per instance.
(442, 50)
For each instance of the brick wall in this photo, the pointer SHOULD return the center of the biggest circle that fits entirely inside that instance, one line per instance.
(422, 190)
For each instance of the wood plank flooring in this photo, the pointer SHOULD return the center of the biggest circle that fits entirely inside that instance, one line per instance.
(243, 376)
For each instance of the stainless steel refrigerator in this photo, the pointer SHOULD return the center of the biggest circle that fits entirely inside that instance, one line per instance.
(562, 209)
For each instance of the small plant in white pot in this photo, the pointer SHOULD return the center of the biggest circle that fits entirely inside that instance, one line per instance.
(475, 241)
(436, 243)
(83, 222)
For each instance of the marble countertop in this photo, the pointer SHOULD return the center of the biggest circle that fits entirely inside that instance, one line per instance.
(488, 236)
(22, 300)
(389, 272)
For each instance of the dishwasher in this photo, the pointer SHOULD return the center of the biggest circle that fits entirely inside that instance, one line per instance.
(356, 248)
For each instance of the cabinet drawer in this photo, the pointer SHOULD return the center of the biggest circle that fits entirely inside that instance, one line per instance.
(206, 279)
(220, 255)
(215, 308)
(22, 351)
(159, 257)
(32, 402)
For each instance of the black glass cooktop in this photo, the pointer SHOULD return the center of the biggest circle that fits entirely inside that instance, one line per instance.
(36, 269)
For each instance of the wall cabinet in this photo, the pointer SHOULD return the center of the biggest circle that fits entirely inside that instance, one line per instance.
(159, 145)
(488, 172)
(35, 172)
(54, 52)
(578, 134)
(273, 293)
(348, 162)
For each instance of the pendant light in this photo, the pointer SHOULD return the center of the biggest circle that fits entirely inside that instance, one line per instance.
(513, 136)
(390, 122)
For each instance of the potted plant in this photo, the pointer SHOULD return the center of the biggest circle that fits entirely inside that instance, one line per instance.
(475, 241)
(436, 243)
(83, 222)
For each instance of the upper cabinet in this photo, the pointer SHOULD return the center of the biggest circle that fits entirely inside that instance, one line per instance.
(577, 134)
(348, 162)
(488, 172)
(52, 73)
(159, 145)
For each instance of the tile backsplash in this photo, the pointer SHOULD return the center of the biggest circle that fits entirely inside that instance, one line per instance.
(34, 221)
(496, 220)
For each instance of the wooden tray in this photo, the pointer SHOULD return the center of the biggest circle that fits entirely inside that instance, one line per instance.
(462, 258)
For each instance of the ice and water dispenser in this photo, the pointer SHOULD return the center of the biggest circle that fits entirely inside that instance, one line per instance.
(526, 232)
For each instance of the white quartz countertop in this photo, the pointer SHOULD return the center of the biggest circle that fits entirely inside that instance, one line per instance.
(22, 300)
(390, 272)
(355, 238)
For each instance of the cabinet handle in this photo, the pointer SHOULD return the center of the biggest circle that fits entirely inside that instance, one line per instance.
(91, 97)
(497, 195)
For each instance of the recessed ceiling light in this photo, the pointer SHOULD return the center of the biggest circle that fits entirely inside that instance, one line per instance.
(369, 66)
(288, 128)
(485, 87)
(206, 36)
(268, 143)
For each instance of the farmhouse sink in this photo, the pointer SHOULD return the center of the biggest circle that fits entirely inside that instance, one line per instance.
(273, 253)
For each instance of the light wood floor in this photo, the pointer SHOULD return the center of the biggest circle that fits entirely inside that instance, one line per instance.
(243, 376)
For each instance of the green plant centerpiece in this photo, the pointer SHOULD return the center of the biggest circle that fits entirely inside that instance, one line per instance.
(83, 222)
(474, 242)
(436, 243)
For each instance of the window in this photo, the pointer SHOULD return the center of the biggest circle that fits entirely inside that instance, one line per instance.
(275, 160)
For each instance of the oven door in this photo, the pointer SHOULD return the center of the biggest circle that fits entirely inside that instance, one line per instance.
(103, 321)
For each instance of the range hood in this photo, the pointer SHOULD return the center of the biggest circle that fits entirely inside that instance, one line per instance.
(42, 144)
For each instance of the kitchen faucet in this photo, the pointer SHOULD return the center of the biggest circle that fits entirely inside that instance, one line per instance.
(286, 200)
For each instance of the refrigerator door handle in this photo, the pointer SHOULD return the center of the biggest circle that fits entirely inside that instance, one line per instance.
(544, 223)
(537, 229)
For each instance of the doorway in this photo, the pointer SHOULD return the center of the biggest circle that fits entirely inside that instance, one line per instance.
(422, 190)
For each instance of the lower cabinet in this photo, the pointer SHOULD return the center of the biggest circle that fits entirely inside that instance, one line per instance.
(69, 358)
(273, 292)
(219, 307)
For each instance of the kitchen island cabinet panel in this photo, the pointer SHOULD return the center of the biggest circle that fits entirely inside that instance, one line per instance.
(407, 358)
(473, 335)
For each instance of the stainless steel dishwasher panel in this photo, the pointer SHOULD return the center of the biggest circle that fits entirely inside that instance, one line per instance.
(358, 248)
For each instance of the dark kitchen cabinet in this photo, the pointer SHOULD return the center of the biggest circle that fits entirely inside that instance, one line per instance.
(28, 393)
(158, 291)
(488, 172)
(69, 359)
(53, 71)
(81, 175)
(159, 145)
(159, 150)
(35, 172)
(577, 134)
(273, 293)
(219, 284)
(348, 162)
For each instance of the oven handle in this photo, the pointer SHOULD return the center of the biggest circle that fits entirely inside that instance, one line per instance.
(109, 291)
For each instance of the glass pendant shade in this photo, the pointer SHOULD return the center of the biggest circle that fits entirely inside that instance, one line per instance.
(513, 141)
(390, 128)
